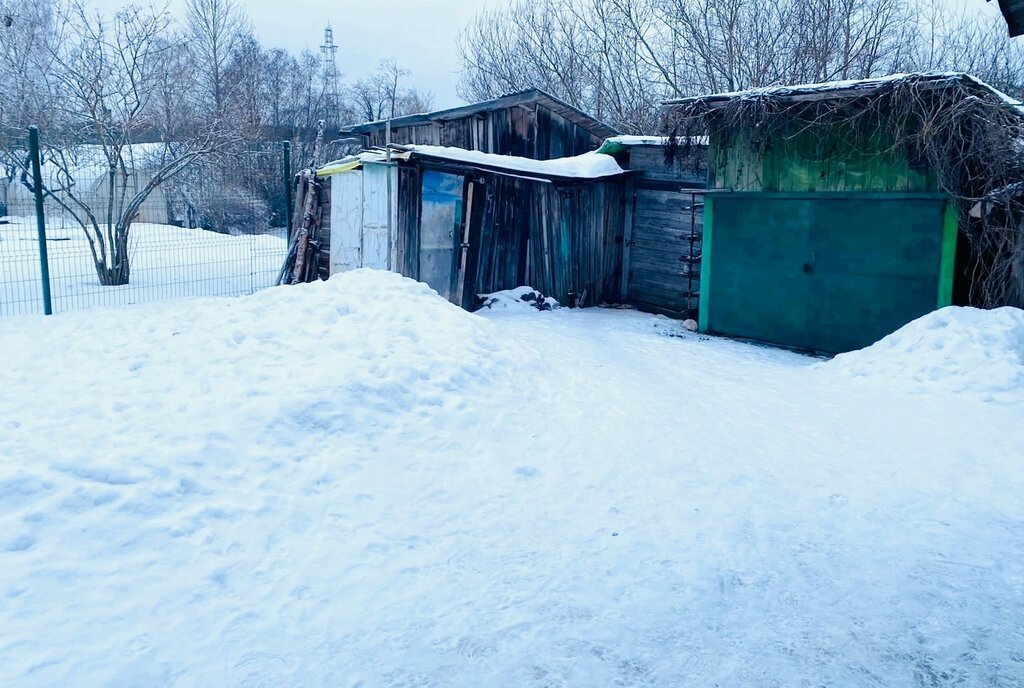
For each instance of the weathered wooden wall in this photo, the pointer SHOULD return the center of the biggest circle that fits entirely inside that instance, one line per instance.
(409, 205)
(665, 228)
(529, 131)
(565, 240)
(665, 250)
(324, 234)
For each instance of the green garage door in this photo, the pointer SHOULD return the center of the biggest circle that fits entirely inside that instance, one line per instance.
(829, 272)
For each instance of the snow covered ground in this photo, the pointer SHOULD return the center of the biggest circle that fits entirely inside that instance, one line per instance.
(354, 483)
(166, 262)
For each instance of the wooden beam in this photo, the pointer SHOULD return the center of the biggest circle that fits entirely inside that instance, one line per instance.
(627, 237)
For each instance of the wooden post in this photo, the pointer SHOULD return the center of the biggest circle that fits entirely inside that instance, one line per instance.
(300, 250)
(460, 281)
(627, 236)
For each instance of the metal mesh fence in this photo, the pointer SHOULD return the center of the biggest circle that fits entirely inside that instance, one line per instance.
(217, 229)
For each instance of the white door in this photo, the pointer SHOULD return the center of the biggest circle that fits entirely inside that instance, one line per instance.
(378, 236)
(346, 220)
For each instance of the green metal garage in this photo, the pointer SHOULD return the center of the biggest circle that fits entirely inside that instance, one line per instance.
(824, 271)
(830, 220)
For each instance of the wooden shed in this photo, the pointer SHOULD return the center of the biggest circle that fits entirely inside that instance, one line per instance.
(530, 124)
(470, 223)
(825, 229)
(473, 223)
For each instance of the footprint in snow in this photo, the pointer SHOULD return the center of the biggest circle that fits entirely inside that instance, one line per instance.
(526, 472)
(19, 544)
(838, 500)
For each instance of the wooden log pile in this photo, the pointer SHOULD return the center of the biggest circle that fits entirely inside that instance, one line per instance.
(303, 261)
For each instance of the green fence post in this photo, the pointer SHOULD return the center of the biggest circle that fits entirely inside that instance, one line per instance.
(37, 184)
(288, 199)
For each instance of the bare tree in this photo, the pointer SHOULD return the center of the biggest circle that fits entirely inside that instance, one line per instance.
(117, 79)
(26, 30)
(280, 70)
(379, 96)
(215, 28)
(26, 35)
(619, 58)
(975, 44)
(605, 56)
(247, 71)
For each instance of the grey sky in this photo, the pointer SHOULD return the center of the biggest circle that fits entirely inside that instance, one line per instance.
(419, 34)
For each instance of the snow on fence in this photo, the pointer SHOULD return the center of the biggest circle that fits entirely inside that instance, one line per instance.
(217, 232)
(166, 261)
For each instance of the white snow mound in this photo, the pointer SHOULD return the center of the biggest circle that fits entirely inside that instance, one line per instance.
(153, 460)
(368, 341)
(955, 349)
(355, 483)
(519, 299)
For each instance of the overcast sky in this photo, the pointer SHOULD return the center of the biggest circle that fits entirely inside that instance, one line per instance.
(419, 34)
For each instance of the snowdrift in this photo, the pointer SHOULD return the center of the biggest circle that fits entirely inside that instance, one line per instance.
(169, 467)
(518, 299)
(955, 349)
(355, 483)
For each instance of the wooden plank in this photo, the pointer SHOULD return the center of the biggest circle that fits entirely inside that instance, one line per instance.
(667, 242)
(627, 237)
(671, 299)
(655, 220)
(659, 243)
(664, 296)
(668, 195)
(664, 262)
(668, 215)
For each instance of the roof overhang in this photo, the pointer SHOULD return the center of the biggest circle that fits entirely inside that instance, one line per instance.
(375, 156)
(843, 90)
(524, 98)
(546, 171)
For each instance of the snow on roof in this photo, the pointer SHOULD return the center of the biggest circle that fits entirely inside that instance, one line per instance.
(627, 140)
(654, 140)
(848, 88)
(587, 166)
(373, 156)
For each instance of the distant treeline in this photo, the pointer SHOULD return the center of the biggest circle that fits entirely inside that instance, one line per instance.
(618, 59)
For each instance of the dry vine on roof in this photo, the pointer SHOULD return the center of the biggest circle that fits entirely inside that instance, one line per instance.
(965, 134)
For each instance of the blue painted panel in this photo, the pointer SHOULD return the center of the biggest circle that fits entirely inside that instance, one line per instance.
(440, 220)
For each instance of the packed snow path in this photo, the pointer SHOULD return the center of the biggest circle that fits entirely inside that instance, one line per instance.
(354, 483)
